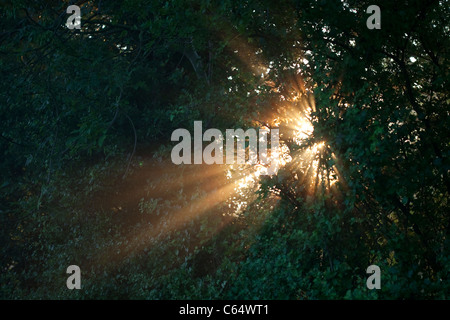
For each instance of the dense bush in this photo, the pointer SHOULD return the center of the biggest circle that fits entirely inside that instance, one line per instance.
(87, 179)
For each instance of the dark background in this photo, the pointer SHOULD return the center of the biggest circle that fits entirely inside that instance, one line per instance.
(86, 177)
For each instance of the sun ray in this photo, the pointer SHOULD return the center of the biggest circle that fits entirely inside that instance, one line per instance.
(301, 154)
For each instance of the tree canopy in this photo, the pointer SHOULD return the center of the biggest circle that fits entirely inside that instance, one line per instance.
(87, 115)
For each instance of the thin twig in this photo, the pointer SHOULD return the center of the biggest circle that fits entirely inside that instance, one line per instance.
(134, 148)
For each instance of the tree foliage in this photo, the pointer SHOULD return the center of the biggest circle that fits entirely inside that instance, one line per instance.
(87, 117)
